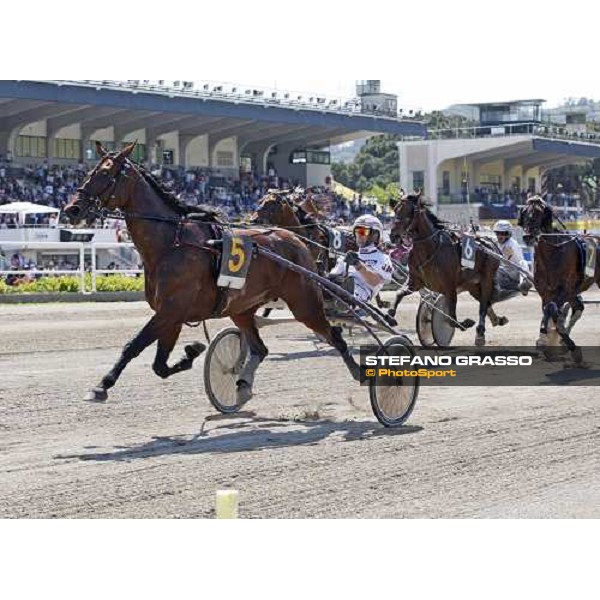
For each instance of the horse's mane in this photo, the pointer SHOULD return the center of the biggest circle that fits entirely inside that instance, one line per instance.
(305, 217)
(208, 213)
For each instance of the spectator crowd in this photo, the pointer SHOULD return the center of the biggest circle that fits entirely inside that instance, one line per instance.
(236, 196)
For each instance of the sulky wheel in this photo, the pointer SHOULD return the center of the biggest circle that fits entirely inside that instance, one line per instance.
(223, 363)
(393, 404)
(442, 330)
(424, 325)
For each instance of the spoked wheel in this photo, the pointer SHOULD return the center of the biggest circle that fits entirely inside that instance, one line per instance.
(442, 330)
(424, 325)
(393, 404)
(223, 363)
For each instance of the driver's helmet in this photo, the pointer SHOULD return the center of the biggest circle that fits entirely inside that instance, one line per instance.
(503, 227)
(372, 226)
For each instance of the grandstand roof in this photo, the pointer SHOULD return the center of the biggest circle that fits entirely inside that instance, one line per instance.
(101, 104)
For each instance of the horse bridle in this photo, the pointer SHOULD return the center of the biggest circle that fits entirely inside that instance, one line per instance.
(409, 230)
(93, 203)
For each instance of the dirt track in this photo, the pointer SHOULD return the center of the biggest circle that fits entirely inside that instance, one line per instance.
(310, 446)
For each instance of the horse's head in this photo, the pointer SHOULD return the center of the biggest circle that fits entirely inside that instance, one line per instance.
(104, 186)
(276, 209)
(535, 218)
(405, 212)
(309, 206)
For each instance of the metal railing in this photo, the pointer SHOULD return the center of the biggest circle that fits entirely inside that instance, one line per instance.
(508, 129)
(81, 271)
(244, 95)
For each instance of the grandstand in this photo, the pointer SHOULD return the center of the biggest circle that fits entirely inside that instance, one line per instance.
(179, 125)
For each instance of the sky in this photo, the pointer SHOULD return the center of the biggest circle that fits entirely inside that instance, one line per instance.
(431, 54)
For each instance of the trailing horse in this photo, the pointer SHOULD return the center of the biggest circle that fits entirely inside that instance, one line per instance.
(561, 261)
(178, 249)
(277, 209)
(435, 264)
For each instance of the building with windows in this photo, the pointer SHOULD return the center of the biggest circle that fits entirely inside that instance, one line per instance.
(486, 170)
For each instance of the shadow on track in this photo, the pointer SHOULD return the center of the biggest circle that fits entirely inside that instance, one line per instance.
(251, 435)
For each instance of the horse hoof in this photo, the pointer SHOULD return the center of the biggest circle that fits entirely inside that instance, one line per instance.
(467, 324)
(391, 313)
(502, 321)
(480, 341)
(577, 356)
(193, 351)
(97, 395)
(244, 393)
(390, 320)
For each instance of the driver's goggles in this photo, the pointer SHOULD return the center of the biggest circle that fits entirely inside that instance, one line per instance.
(364, 231)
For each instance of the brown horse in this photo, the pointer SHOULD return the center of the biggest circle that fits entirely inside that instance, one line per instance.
(180, 267)
(435, 264)
(559, 269)
(276, 209)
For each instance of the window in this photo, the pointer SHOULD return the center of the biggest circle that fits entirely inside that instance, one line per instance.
(246, 164)
(418, 180)
(66, 149)
(224, 159)
(491, 181)
(30, 146)
(313, 157)
(298, 158)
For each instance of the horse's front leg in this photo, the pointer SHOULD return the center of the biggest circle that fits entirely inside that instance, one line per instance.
(147, 336)
(485, 303)
(413, 285)
(452, 299)
(550, 311)
(167, 339)
(495, 320)
(578, 307)
(483, 312)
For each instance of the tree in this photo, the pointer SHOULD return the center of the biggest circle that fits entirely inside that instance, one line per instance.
(377, 164)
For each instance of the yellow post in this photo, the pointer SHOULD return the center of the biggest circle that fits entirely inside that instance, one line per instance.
(227, 504)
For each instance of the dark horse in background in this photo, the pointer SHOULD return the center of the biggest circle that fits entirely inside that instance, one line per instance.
(279, 209)
(559, 269)
(181, 272)
(435, 264)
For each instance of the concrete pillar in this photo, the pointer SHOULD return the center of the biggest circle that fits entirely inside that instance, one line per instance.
(151, 150)
(184, 142)
(50, 137)
(4, 135)
(405, 184)
(431, 183)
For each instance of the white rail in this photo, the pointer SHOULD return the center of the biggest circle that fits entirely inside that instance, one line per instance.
(81, 271)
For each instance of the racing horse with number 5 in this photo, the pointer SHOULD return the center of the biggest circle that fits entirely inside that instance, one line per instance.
(179, 246)
(435, 264)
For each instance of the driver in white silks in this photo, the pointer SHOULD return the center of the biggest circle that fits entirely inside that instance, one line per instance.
(512, 252)
(370, 268)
